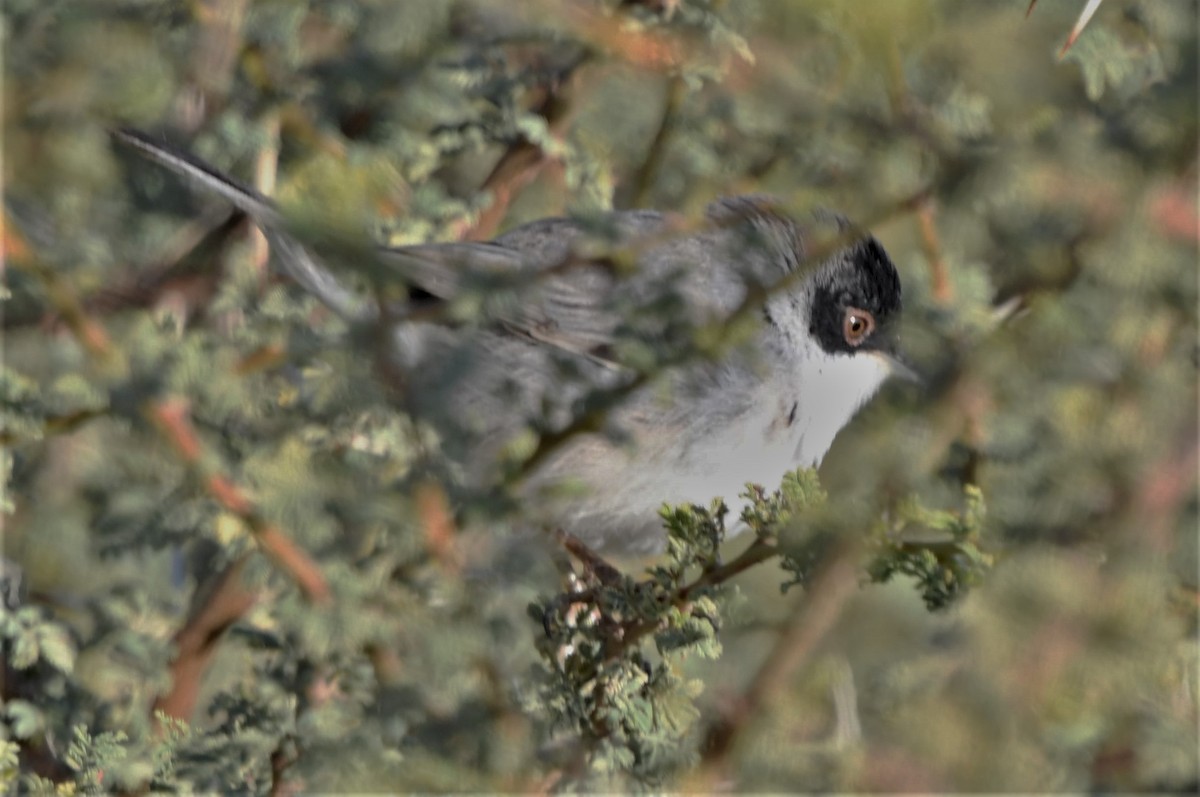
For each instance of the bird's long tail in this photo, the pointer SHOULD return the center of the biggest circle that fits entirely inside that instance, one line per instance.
(293, 258)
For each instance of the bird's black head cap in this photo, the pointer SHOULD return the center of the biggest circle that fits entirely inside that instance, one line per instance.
(860, 277)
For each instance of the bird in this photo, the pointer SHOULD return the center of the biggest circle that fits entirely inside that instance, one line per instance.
(665, 362)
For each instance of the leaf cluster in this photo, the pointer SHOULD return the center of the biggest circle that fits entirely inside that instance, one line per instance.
(229, 564)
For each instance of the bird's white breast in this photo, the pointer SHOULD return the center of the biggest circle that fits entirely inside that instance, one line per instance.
(763, 446)
(706, 459)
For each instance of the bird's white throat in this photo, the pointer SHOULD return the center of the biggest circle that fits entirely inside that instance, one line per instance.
(762, 448)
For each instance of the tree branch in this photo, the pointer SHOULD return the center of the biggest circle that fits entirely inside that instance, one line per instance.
(226, 602)
(524, 160)
(172, 418)
(824, 599)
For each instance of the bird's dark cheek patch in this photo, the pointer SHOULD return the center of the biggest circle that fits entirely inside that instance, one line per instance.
(792, 413)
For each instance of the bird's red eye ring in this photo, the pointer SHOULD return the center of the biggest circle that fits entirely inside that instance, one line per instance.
(857, 326)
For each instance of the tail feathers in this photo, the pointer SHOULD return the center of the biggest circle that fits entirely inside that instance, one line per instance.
(243, 197)
(294, 258)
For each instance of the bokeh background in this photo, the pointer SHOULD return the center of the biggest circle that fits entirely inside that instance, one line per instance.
(219, 573)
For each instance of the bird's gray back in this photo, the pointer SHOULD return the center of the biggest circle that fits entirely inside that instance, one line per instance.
(580, 314)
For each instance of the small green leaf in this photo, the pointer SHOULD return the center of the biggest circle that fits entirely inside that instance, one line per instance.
(24, 649)
(9, 751)
(56, 646)
(24, 718)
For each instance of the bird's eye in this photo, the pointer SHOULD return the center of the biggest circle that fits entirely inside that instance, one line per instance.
(857, 326)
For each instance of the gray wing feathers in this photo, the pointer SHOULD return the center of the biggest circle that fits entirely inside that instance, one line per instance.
(577, 308)
(568, 315)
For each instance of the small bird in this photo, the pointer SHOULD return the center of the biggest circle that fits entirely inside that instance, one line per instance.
(587, 331)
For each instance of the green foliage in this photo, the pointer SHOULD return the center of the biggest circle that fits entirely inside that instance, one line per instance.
(629, 704)
(1050, 297)
(944, 558)
(630, 707)
(30, 638)
(90, 757)
(600, 681)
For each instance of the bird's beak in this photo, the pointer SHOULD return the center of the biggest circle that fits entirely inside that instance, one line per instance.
(900, 369)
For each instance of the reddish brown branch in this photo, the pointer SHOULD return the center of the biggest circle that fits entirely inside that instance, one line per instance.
(293, 560)
(261, 359)
(172, 418)
(645, 48)
(185, 275)
(760, 550)
(515, 170)
(1174, 211)
(196, 642)
(437, 523)
(931, 243)
(524, 160)
(89, 332)
(1162, 492)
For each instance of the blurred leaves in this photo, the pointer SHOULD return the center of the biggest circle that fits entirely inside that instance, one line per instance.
(1050, 299)
(939, 549)
(632, 710)
(30, 638)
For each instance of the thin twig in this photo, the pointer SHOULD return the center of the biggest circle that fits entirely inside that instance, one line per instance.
(762, 549)
(90, 333)
(281, 761)
(185, 267)
(438, 526)
(170, 416)
(266, 167)
(214, 58)
(652, 165)
(943, 293)
(676, 91)
(524, 160)
(55, 424)
(824, 599)
(653, 49)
